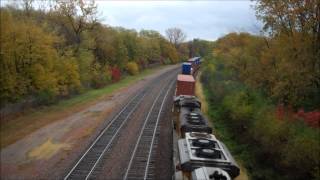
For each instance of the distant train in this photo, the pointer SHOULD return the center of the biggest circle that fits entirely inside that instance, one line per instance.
(201, 156)
(191, 67)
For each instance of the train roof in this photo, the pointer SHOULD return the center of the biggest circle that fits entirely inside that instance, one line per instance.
(194, 59)
(187, 78)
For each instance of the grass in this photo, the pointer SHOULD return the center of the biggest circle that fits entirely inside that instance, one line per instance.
(96, 93)
(16, 128)
(200, 94)
(46, 150)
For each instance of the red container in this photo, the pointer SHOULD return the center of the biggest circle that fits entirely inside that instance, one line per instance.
(185, 85)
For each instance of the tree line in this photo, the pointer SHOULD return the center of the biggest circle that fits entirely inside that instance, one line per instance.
(248, 77)
(64, 49)
(284, 64)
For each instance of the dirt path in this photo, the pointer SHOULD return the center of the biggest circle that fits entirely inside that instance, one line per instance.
(48, 152)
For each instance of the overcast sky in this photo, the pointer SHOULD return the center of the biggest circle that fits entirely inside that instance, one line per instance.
(198, 19)
(208, 20)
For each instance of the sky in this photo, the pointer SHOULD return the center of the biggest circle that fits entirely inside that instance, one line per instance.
(198, 19)
(203, 19)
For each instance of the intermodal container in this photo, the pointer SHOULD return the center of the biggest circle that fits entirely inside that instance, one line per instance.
(195, 63)
(186, 68)
(185, 85)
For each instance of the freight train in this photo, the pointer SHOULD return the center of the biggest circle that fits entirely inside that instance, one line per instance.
(199, 155)
(191, 67)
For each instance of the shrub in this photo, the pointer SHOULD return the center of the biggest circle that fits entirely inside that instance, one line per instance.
(301, 152)
(311, 118)
(167, 61)
(101, 76)
(46, 97)
(115, 74)
(132, 68)
(68, 77)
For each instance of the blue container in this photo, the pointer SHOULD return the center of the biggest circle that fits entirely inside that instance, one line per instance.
(186, 68)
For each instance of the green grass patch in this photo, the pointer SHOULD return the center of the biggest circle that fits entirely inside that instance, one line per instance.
(16, 128)
(96, 93)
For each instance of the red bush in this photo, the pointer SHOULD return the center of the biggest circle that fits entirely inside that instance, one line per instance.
(280, 111)
(115, 74)
(311, 118)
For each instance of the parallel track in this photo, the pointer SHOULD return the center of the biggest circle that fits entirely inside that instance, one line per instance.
(141, 166)
(91, 157)
(88, 162)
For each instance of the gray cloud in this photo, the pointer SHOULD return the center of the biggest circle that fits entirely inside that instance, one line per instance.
(199, 19)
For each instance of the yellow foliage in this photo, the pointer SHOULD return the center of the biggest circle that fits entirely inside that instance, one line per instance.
(132, 68)
(27, 59)
(45, 55)
(100, 75)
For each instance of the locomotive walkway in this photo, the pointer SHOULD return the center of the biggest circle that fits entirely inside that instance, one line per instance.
(127, 147)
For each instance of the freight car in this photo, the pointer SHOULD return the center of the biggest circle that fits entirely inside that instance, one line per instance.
(186, 68)
(195, 64)
(185, 85)
(198, 150)
(186, 101)
(191, 103)
(195, 61)
(192, 120)
(200, 155)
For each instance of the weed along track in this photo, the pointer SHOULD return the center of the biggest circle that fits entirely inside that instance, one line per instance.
(144, 111)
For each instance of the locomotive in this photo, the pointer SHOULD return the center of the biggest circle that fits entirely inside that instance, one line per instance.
(192, 120)
(198, 150)
(200, 155)
(210, 173)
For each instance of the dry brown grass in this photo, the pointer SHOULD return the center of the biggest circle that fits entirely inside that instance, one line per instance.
(14, 129)
(46, 150)
(200, 95)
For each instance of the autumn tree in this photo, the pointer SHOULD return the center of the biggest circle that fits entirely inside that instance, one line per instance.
(29, 62)
(168, 51)
(199, 47)
(77, 16)
(175, 36)
(131, 38)
(294, 47)
(61, 51)
(27, 5)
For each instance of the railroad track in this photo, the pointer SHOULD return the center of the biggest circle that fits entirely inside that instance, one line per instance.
(86, 165)
(89, 160)
(141, 165)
